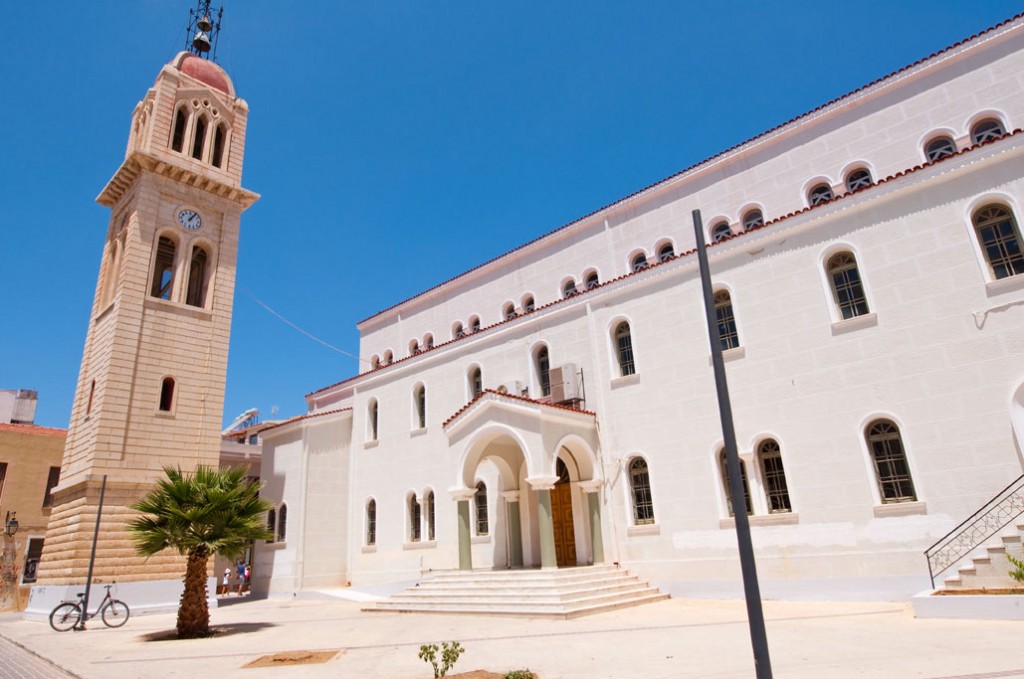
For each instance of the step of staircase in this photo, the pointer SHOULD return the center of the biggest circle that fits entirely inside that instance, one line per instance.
(988, 567)
(561, 593)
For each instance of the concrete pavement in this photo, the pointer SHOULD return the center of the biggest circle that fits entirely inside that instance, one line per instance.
(675, 638)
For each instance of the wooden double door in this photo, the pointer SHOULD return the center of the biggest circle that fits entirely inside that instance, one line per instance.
(561, 517)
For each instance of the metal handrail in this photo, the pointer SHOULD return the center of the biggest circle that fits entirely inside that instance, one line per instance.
(995, 515)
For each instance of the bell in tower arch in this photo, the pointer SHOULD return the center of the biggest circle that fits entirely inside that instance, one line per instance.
(201, 42)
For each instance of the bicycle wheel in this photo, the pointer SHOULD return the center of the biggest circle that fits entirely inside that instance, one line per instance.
(115, 613)
(65, 616)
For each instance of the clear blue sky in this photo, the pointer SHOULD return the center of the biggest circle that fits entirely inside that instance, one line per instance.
(396, 143)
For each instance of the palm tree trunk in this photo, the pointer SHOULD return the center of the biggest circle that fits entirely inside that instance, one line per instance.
(193, 613)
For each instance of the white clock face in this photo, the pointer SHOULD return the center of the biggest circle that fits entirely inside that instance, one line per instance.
(190, 219)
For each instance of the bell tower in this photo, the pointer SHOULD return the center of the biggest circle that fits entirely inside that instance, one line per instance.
(151, 385)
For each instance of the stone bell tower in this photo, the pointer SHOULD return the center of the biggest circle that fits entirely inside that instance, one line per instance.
(151, 385)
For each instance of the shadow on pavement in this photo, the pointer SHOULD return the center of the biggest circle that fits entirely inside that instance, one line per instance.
(215, 631)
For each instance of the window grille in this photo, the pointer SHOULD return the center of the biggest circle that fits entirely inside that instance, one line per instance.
(414, 519)
(476, 383)
(775, 488)
(847, 286)
(569, 289)
(282, 523)
(666, 252)
(481, 509)
(271, 524)
(544, 371)
(821, 193)
(640, 487)
(891, 468)
(752, 219)
(728, 488)
(624, 349)
(987, 130)
(941, 147)
(858, 179)
(1000, 240)
(371, 522)
(429, 500)
(421, 406)
(720, 232)
(640, 262)
(592, 280)
(528, 305)
(727, 335)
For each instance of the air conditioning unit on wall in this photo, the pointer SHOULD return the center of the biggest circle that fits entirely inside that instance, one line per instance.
(565, 384)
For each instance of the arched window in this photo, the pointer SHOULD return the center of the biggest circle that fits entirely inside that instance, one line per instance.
(428, 501)
(891, 469)
(776, 492)
(219, 136)
(592, 280)
(163, 269)
(374, 362)
(428, 342)
(727, 335)
(728, 488)
(858, 179)
(543, 371)
(371, 420)
(414, 518)
(720, 231)
(414, 347)
(178, 137)
(666, 252)
(199, 139)
(167, 394)
(272, 524)
(640, 492)
(480, 500)
(371, 522)
(639, 262)
(420, 406)
(847, 288)
(528, 304)
(624, 349)
(753, 218)
(508, 312)
(196, 293)
(474, 324)
(458, 331)
(986, 130)
(282, 522)
(819, 193)
(569, 288)
(1000, 240)
(389, 358)
(940, 147)
(476, 382)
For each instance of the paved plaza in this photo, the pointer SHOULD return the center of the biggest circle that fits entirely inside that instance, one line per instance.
(675, 638)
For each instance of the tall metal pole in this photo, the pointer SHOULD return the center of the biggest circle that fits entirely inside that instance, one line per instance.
(92, 557)
(752, 593)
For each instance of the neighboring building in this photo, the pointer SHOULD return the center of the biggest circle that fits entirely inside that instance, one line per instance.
(556, 405)
(29, 470)
(150, 390)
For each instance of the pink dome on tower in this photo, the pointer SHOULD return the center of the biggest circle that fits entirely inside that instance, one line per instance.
(205, 71)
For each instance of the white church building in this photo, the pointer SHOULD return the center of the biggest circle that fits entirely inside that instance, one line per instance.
(555, 406)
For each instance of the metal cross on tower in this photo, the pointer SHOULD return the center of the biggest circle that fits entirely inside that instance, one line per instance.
(203, 29)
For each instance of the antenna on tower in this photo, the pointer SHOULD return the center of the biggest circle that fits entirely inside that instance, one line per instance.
(203, 29)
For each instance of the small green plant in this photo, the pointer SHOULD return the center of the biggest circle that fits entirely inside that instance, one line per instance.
(450, 652)
(1017, 572)
(520, 674)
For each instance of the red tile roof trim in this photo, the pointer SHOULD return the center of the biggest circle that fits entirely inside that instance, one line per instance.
(308, 416)
(32, 429)
(655, 265)
(704, 162)
(513, 397)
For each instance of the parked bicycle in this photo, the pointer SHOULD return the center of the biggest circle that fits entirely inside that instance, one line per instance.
(70, 615)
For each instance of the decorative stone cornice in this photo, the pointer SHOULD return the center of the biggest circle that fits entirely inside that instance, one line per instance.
(542, 482)
(459, 494)
(590, 485)
(511, 495)
(139, 162)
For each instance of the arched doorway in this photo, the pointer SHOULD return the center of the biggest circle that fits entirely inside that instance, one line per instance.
(561, 515)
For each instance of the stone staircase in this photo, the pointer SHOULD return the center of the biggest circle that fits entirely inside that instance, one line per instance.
(988, 568)
(556, 593)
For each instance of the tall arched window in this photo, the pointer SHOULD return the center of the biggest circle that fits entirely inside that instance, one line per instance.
(858, 179)
(178, 137)
(163, 269)
(480, 500)
(219, 137)
(727, 335)
(640, 492)
(728, 488)
(987, 130)
(282, 522)
(819, 193)
(419, 397)
(272, 524)
(371, 420)
(414, 518)
(543, 371)
(720, 231)
(476, 382)
(753, 218)
(776, 492)
(891, 469)
(167, 394)
(371, 522)
(666, 252)
(428, 501)
(196, 294)
(639, 262)
(847, 288)
(200, 138)
(1000, 240)
(624, 349)
(940, 147)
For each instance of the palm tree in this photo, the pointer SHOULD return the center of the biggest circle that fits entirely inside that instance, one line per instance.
(211, 511)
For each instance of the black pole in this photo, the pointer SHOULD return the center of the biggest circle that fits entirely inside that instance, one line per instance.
(92, 556)
(752, 593)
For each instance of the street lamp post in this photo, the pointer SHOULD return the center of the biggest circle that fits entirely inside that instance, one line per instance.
(751, 590)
